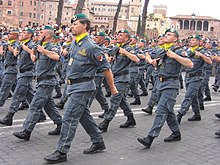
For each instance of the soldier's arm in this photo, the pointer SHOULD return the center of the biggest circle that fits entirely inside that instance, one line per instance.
(204, 57)
(149, 60)
(51, 54)
(129, 55)
(109, 77)
(184, 61)
(216, 58)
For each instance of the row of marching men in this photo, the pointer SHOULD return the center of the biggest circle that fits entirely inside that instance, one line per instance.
(126, 67)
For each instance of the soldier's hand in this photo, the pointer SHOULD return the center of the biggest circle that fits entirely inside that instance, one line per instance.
(40, 48)
(153, 61)
(10, 48)
(114, 90)
(198, 54)
(24, 47)
(184, 53)
(122, 51)
(171, 54)
(64, 52)
(15, 52)
(33, 57)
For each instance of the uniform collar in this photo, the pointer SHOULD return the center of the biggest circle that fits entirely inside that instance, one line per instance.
(80, 37)
(194, 48)
(11, 41)
(45, 43)
(168, 45)
(25, 41)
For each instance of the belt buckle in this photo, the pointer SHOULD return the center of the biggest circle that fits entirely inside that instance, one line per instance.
(161, 79)
(68, 81)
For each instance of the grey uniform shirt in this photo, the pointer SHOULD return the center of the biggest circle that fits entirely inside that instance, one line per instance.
(85, 57)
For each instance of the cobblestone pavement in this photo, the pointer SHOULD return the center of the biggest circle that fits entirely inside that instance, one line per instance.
(198, 146)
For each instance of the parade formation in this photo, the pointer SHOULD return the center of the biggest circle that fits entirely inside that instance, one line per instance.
(87, 64)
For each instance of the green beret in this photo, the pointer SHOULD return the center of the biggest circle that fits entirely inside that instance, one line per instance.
(29, 30)
(100, 34)
(142, 40)
(195, 36)
(135, 37)
(161, 35)
(14, 31)
(153, 40)
(56, 37)
(124, 31)
(172, 31)
(108, 39)
(48, 28)
(79, 17)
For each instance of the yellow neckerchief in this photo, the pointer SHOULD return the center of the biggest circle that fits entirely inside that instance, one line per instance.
(194, 48)
(68, 43)
(11, 42)
(44, 43)
(80, 37)
(24, 41)
(132, 45)
(120, 45)
(161, 46)
(218, 48)
(168, 46)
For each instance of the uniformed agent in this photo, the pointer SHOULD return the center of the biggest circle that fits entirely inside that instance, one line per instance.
(120, 68)
(193, 79)
(46, 61)
(85, 57)
(23, 88)
(169, 66)
(10, 64)
(99, 38)
(154, 55)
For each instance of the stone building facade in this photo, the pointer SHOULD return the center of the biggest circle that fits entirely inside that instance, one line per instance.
(203, 25)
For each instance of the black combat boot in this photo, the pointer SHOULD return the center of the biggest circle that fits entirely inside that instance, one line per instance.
(195, 117)
(8, 119)
(129, 123)
(146, 141)
(60, 105)
(103, 114)
(24, 105)
(208, 98)
(42, 117)
(201, 107)
(217, 133)
(56, 157)
(137, 101)
(23, 135)
(179, 117)
(175, 136)
(144, 93)
(217, 115)
(215, 88)
(95, 147)
(148, 110)
(103, 126)
(56, 131)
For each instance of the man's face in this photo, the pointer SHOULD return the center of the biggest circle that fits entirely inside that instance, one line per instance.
(122, 38)
(133, 41)
(12, 36)
(141, 44)
(170, 37)
(24, 35)
(99, 39)
(160, 41)
(193, 42)
(77, 28)
(208, 45)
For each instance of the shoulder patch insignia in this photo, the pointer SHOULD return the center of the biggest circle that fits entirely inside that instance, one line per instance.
(82, 52)
(100, 58)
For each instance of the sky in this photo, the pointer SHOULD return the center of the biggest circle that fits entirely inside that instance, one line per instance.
(184, 7)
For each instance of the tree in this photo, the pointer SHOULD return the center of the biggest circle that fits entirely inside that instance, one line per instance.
(144, 18)
(59, 12)
(139, 26)
(116, 17)
(79, 7)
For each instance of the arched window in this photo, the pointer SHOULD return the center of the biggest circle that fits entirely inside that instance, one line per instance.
(186, 24)
(212, 29)
(205, 26)
(181, 24)
(199, 25)
(192, 25)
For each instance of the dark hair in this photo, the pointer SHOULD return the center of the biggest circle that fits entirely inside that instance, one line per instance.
(86, 21)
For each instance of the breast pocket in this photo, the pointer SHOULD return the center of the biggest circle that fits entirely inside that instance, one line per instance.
(43, 62)
(171, 66)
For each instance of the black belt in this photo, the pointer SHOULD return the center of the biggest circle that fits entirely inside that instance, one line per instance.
(194, 74)
(6, 66)
(45, 78)
(124, 72)
(78, 80)
(162, 79)
(25, 70)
